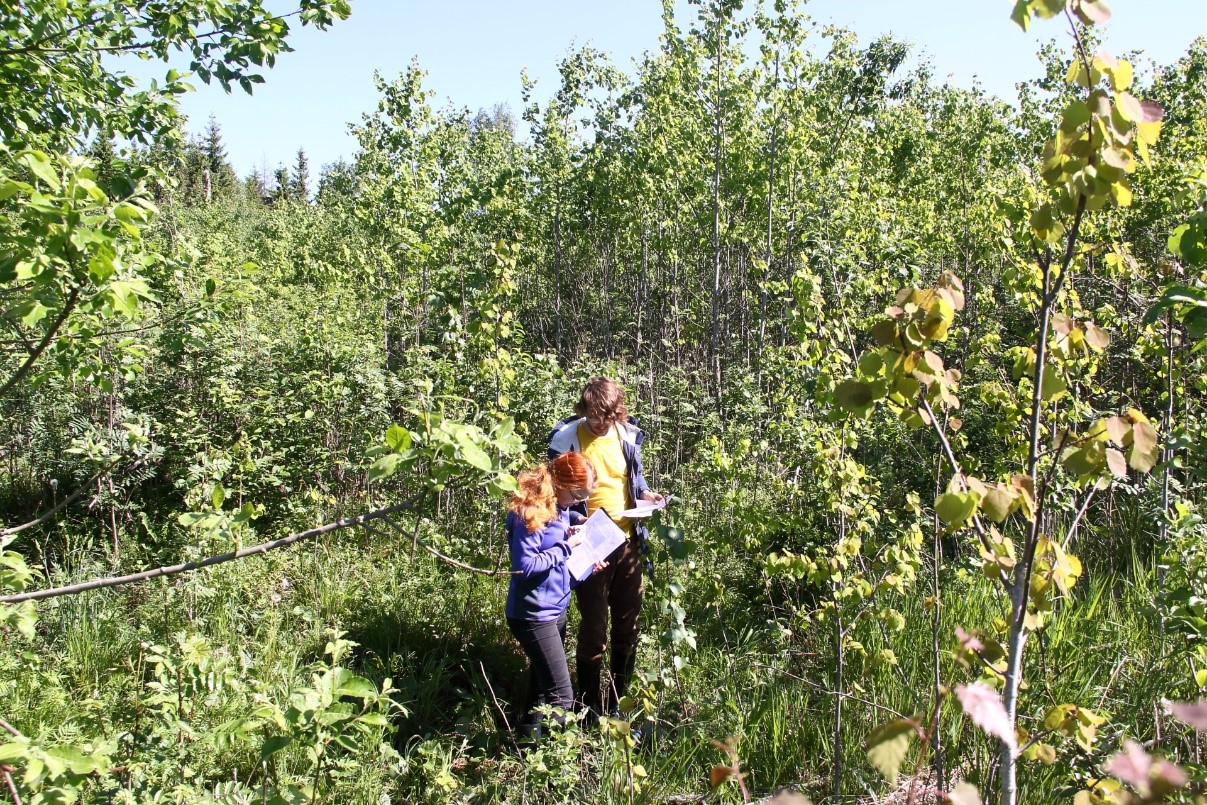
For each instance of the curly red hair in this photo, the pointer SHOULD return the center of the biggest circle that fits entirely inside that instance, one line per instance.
(535, 498)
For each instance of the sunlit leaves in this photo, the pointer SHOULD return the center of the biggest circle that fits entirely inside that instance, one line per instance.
(75, 258)
(1043, 9)
(1075, 722)
(902, 367)
(888, 745)
(1112, 445)
(447, 451)
(955, 508)
(1094, 150)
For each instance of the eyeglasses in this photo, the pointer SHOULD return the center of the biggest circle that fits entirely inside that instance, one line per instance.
(580, 495)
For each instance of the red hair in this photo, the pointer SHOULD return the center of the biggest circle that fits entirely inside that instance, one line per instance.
(535, 497)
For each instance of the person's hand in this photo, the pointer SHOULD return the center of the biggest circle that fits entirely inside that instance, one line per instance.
(598, 566)
(651, 496)
(574, 536)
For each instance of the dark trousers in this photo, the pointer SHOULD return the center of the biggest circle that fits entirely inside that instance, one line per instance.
(549, 675)
(617, 588)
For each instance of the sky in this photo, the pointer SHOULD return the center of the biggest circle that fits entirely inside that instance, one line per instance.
(474, 51)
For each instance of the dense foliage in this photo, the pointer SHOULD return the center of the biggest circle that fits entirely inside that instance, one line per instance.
(923, 369)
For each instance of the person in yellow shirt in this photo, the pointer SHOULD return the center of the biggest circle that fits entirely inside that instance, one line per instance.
(602, 431)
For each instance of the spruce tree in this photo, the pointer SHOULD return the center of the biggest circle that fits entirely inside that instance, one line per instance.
(281, 187)
(222, 174)
(300, 185)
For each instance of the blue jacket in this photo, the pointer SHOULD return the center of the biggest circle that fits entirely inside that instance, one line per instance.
(564, 439)
(541, 589)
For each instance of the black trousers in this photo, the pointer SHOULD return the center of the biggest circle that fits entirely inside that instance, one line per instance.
(618, 589)
(549, 675)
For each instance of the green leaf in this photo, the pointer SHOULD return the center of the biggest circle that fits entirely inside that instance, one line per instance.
(384, 467)
(954, 508)
(1189, 241)
(9, 751)
(1022, 14)
(398, 438)
(273, 744)
(1076, 114)
(476, 457)
(39, 164)
(887, 747)
(854, 395)
(1053, 385)
(9, 188)
(999, 502)
(357, 687)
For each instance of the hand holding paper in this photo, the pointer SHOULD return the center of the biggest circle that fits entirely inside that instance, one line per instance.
(647, 507)
(599, 537)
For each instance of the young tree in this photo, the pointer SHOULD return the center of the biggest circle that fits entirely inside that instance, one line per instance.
(299, 183)
(222, 177)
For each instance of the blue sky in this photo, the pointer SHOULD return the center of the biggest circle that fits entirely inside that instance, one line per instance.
(474, 51)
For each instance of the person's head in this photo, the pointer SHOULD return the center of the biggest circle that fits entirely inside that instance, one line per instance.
(567, 479)
(602, 405)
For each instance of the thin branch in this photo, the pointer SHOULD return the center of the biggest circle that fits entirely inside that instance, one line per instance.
(955, 466)
(9, 728)
(462, 565)
(46, 339)
(103, 333)
(4, 532)
(1077, 520)
(133, 46)
(12, 787)
(171, 570)
(495, 698)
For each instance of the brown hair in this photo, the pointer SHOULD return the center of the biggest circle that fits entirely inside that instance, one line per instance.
(534, 498)
(603, 398)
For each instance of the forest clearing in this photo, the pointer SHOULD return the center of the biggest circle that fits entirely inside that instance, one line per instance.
(907, 384)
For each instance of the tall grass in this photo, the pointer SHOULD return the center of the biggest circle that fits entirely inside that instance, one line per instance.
(441, 637)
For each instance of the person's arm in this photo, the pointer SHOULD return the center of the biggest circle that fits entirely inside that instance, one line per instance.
(641, 489)
(527, 558)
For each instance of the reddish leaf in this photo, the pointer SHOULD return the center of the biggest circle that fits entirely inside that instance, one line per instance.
(968, 640)
(1170, 774)
(1193, 713)
(1151, 112)
(1131, 765)
(984, 706)
(1117, 428)
(1098, 13)
(1139, 769)
(719, 774)
(1117, 463)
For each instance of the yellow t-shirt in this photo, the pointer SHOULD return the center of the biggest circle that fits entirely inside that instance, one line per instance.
(607, 456)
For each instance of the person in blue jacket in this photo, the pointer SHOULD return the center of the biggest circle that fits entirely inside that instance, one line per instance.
(603, 432)
(540, 539)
